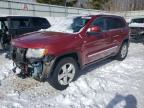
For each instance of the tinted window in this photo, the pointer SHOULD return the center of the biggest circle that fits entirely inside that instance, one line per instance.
(100, 22)
(40, 23)
(20, 23)
(140, 20)
(114, 23)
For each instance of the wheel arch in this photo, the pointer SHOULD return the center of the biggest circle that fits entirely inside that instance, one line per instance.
(126, 40)
(74, 55)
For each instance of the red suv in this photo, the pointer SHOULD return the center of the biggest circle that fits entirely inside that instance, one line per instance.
(58, 53)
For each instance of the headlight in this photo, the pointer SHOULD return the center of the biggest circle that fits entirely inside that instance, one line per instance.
(36, 53)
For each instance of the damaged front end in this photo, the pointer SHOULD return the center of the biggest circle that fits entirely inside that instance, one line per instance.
(38, 68)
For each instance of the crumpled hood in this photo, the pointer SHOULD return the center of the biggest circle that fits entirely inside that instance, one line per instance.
(41, 39)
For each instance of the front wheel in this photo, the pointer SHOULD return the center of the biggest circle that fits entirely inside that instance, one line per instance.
(122, 54)
(64, 72)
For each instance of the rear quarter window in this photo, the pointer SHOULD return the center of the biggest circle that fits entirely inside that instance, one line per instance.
(40, 23)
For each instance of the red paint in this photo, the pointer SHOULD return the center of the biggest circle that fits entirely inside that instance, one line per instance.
(89, 47)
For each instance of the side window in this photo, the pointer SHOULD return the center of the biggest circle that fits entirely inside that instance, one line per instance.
(114, 23)
(40, 23)
(20, 23)
(139, 20)
(101, 23)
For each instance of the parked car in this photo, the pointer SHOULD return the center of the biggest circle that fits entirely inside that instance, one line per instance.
(13, 26)
(57, 56)
(137, 27)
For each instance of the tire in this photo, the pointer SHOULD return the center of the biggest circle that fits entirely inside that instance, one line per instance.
(122, 54)
(61, 77)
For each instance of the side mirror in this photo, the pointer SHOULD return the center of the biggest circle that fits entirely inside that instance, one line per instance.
(95, 29)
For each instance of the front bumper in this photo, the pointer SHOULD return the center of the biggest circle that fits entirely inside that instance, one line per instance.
(38, 68)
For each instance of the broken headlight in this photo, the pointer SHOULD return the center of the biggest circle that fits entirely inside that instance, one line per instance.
(36, 53)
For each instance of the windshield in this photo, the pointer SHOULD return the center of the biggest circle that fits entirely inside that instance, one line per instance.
(68, 25)
(141, 20)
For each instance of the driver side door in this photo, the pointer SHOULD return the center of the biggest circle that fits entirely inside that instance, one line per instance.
(96, 43)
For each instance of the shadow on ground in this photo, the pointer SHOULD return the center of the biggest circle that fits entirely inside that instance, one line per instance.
(94, 66)
(130, 101)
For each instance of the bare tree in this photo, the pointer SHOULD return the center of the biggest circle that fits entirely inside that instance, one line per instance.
(124, 5)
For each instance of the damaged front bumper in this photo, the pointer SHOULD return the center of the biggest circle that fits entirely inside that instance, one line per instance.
(38, 68)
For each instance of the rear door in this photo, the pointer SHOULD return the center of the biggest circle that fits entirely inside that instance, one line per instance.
(116, 29)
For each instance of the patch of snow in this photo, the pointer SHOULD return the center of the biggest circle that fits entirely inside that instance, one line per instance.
(5, 67)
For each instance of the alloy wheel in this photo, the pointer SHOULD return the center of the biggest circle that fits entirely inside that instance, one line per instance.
(66, 74)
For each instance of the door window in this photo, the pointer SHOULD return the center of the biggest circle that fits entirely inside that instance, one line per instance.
(40, 23)
(101, 23)
(139, 20)
(114, 23)
(20, 23)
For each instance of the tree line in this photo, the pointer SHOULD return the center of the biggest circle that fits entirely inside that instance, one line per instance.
(124, 5)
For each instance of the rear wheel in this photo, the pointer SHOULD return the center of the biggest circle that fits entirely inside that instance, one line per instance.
(64, 73)
(122, 54)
